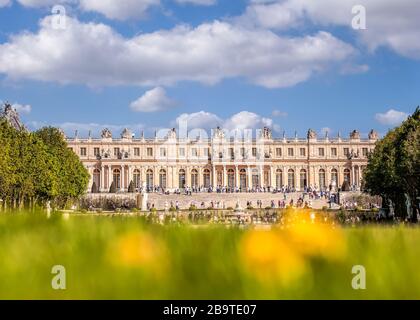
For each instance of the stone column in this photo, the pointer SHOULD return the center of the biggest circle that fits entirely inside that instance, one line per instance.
(109, 177)
(224, 176)
(214, 178)
(261, 173)
(122, 178)
(272, 177)
(248, 171)
(102, 179)
(353, 175)
(237, 176)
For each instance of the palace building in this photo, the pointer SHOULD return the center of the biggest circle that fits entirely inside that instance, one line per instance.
(221, 160)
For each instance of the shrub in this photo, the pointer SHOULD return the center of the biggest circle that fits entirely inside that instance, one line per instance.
(324, 208)
(153, 210)
(229, 208)
(193, 208)
(268, 208)
(250, 208)
(172, 209)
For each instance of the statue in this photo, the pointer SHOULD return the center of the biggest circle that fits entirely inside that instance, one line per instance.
(373, 135)
(219, 133)
(12, 117)
(106, 134)
(172, 134)
(126, 134)
(266, 133)
(312, 134)
(355, 135)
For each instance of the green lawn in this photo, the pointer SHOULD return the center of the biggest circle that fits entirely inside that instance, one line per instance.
(127, 258)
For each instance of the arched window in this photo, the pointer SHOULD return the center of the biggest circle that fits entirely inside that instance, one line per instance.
(117, 178)
(334, 176)
(347, 175)
(181, 179)
(242, 178)
(291, 178)
(322, 181)
(279, 178)
(136, 178)
(194, 178)
(303, 179)
(162, 178)
(206, 178)
(231, 178)
(255, 178)
(149, 179)
(97, 179)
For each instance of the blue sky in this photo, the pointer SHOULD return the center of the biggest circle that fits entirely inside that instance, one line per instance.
(288, 64)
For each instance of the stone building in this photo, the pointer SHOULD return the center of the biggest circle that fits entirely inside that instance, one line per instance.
(224, 159)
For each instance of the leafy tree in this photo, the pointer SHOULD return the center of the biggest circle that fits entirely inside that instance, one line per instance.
(393, 170)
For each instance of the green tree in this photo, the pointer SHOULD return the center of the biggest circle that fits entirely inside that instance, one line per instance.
(393, 170)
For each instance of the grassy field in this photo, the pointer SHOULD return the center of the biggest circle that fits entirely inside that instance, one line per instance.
(128, 258)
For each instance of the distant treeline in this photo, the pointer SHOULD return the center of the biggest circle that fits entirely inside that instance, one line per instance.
(36, 167)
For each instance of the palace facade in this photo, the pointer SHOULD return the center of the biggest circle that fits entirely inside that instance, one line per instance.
(221, 160)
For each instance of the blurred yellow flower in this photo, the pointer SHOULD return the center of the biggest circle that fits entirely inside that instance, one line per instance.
(139, 250)
(318, 240)
(269, 258)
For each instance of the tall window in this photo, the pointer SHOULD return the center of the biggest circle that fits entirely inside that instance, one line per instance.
(346, 152)
(194, 178)
(117, 178)
(334, 176)
(322, 181)
(136, 178)
(163, 152)
(321, 152)
(231, 153)
(162, 179)
(149, 179)
(182, 152)
(137, 152)
(302, 152)
(150, 152)
(254, 152)
(97, 178)
(347, 175)
(83, 152)
(291, 178)
(182, 179)
(242, 178)
(206, 178)
(116, 152)
(96, 152)
(194, 152)
(303, 179)
(279, 178)
(334, 152)
(206, 152)
(231, 178)
(243, 152)
(278, 152)
(290, 152)
(365, 152)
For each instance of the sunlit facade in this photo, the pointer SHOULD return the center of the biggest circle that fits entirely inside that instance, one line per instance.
(223, 160)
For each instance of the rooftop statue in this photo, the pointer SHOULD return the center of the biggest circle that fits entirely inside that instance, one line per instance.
(355, 134)
(373, 135)
(106, 134)
(219, 133)
(11, 116)
(172, 134)
(126, 134)
(266, 133)
(311, 134)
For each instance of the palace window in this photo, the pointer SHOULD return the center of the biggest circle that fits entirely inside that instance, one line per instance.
(278, 152)
(321, 152)
(182, 152)
(150, 152)
(334, 152)
(116, 151)
(137, 152)
(206, 152)
(290, 152)
(254, 152)
(163, 152)
(365, 152)
(302, 152)
(346, 152)
(322, 180)
(231, 153)
(194, 152)
(96, 152)
(243, 152)
(83, 152)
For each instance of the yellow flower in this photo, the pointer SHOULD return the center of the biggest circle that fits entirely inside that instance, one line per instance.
(269, 258)
(139, 250)
(318, 240)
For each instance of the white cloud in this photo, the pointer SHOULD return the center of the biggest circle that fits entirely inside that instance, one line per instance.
(20, 108)
(94, 54)
(198, 2)
(391, 117)
(207, 121)
(120, 10)
(279, 113)
(389, 23)
(5, 3)
(152, 101)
